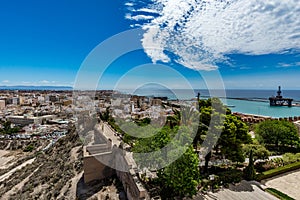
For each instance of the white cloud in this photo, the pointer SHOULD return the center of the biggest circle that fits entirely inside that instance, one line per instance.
(138, 17)
(129, 4)
(200, 33)
(147, 10)
(5, 81)
(26, 82)
(44, 82)
(286, 65)
(135, 25)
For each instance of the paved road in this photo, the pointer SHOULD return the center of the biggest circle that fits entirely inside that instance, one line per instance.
(286, 183)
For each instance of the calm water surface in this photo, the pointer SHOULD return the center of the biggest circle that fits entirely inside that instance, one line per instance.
(242, 106)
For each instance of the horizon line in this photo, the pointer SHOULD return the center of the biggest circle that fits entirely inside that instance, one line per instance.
(71, 87)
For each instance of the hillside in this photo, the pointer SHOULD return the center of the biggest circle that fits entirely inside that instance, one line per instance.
(53, 174)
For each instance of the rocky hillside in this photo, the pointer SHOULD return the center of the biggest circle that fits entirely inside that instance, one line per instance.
(56, 173)
(52, 174)
(12, 145)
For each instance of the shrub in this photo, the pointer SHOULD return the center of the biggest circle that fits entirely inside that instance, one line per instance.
(230, 176)
(291, 158)
(29, 148)
(278, 171)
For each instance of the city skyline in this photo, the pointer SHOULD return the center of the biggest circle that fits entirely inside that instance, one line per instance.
(45, 43)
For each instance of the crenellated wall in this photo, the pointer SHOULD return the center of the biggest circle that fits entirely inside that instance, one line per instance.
(258, 118)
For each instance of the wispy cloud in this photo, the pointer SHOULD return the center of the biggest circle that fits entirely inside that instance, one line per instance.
(44, 82)
(5, 81)
(245, 68)
(200, 33)
(287, 65)
(26, 82)
(147, 10)
(138, 17)
(129, 4)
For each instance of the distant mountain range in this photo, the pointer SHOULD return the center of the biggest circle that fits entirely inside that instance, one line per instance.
(23, 87)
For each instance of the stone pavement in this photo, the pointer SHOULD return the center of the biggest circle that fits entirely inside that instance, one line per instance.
(287, 183)
(242, 191)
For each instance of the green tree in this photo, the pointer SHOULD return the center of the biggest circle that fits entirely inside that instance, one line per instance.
(277, 133)
(249, 171)
(143, 122)
(181, 178)
(105, 116)
(203, 133)
(29, 148)
(150, 144)
(234, 133)
(166, 145)
(259, 151)
(7, 128)
(173, 121)
(233, 136)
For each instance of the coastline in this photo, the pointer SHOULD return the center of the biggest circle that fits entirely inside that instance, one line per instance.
(251, 118)
(254, 104)
(256, 99)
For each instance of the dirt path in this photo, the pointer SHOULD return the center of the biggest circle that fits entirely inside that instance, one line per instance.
(8, 174)
(75, 180)
(74, 154)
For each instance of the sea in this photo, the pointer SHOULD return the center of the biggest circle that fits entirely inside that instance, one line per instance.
(243, 101)
(22, 87)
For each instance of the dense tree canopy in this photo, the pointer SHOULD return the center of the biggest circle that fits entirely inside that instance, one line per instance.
(277, 133)
(171, 147)
(181, 177)
(188, 126)
(215, 117)
(163, 148)
(234, 134)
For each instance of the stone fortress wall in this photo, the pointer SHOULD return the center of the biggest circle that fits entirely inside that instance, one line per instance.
(106, 152)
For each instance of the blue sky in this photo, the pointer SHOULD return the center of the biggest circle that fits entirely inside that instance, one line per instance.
(46, 42)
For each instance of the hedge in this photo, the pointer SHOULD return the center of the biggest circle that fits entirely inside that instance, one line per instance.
(279, 194)
(278, 171)
(231, 176)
